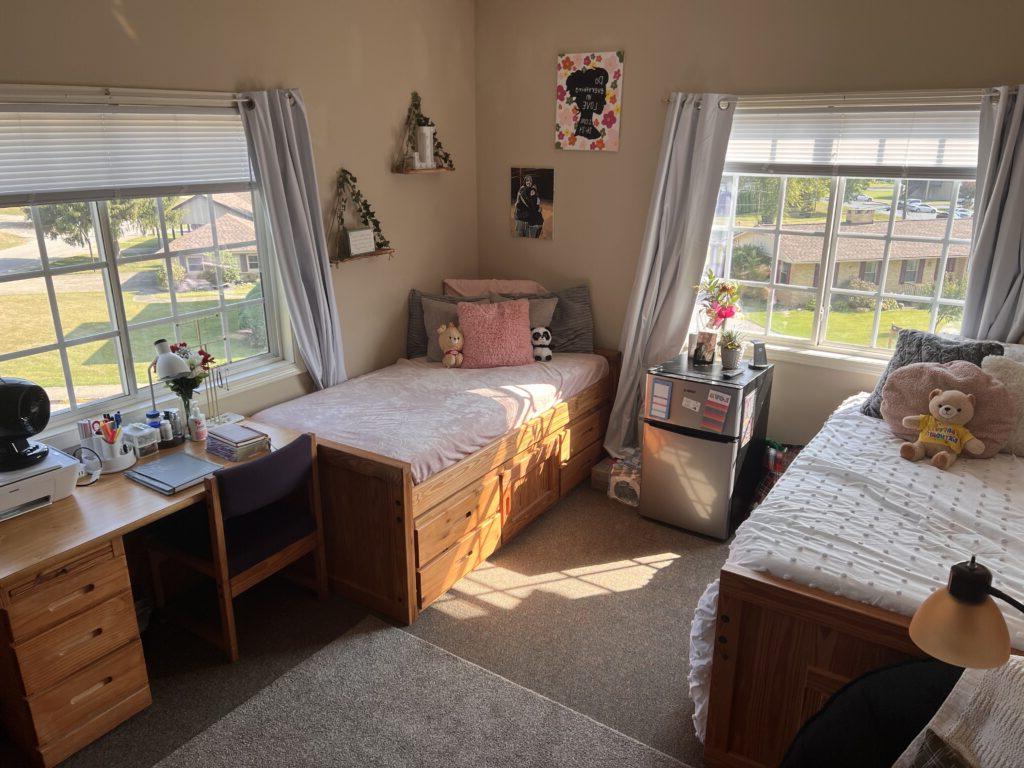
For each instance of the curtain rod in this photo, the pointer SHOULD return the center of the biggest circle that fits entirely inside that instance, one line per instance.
(114, 97)
(967, 97)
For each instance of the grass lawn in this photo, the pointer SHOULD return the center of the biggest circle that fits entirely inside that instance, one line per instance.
(83, 312)
(7, 240)
(843, 327)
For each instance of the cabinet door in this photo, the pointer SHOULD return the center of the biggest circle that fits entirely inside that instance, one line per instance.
(531, 480)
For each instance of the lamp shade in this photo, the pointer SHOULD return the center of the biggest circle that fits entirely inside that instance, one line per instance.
(168, 364)
(961, 624)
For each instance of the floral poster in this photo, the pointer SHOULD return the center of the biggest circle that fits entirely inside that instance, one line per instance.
(588, 101)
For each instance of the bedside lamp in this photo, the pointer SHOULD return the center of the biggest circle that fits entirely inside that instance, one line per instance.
(961, 623)
(167, 365)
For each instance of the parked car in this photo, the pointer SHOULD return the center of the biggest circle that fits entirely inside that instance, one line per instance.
(920, 208)
(862, 198)
(959, 213)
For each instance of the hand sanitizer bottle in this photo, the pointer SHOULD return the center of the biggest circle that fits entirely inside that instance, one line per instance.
(198, 420)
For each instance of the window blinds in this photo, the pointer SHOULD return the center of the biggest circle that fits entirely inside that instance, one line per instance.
(916, 142)
(79, 153)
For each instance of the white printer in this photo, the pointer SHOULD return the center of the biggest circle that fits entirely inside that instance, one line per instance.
(37, 485)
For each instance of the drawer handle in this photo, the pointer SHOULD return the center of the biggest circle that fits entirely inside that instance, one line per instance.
(58, 604)
(469, 514)
(91, 690)
(81, 640)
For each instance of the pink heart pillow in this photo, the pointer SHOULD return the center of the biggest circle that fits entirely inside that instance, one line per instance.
(906, 394)
(495, 334)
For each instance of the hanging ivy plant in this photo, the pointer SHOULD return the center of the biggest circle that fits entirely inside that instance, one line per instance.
(347, 191)
(414, 118)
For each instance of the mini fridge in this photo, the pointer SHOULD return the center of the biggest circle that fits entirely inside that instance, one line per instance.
(703, 443)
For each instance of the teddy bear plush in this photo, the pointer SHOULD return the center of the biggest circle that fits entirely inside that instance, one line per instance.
(540, 338)
(451, 340)
(942, 432)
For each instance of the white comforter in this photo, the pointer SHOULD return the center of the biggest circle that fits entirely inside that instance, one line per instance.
(431, 416)
(854, 519)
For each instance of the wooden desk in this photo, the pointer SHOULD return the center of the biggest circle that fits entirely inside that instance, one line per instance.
(71, 664)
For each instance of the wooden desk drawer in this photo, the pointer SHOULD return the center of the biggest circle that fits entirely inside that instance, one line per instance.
(52, 601)
(435, 579)
(583, 433)
(577, 469)
(50, 657)
(89, 693)
(56, 573)
(449, 521)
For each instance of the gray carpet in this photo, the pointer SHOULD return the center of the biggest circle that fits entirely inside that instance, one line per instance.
(379, 696)
(590, 606)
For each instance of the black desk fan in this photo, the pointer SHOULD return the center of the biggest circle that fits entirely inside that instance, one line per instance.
(24, 412)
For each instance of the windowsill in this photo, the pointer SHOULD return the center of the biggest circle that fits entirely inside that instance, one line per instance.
(848, 361)
(64, 435)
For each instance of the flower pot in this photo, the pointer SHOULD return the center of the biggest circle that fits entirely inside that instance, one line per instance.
(731, 357)
(704, 352)
(425, 145)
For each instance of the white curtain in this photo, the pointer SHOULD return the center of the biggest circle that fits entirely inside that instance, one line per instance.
(995, 288)
(674, 249)
(282, 153)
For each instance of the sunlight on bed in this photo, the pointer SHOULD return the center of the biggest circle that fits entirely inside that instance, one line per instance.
(491, 586)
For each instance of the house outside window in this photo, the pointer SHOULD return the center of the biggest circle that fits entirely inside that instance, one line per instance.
(856, 253)
(97, 277)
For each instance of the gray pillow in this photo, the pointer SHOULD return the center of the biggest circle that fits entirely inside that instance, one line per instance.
(541, 310)
(416, 332)
(572, 325)
(437, 313)
(923, 347)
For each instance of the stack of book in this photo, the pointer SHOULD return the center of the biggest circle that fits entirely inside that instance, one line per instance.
(236, 442)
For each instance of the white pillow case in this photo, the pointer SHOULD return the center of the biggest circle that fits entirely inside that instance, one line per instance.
(1010, 373)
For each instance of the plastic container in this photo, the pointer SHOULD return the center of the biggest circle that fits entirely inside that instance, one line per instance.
(142, 438)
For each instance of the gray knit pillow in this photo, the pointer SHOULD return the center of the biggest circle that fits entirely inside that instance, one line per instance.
(572, 326)
(922, 347)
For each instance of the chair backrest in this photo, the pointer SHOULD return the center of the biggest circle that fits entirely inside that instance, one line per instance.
(261, 482)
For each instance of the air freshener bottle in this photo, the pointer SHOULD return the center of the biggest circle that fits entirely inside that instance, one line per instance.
(198, 420)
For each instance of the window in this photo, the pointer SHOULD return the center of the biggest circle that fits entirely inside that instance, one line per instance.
(864, 220)
(91, 276)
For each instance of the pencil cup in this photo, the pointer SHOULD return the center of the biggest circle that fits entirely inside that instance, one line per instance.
(116, 456)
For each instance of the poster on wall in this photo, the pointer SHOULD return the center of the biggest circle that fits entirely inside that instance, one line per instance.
(532, 202)
(588, 101)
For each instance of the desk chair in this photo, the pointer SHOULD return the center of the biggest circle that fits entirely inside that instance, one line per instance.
(259, 517)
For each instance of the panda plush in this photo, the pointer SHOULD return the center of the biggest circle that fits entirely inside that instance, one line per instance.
(540, 337)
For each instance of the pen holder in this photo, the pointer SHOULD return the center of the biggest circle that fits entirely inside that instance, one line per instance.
(116, 456)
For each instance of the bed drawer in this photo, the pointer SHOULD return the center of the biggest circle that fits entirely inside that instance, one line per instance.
(89, 693)
(577, 469)
(471, 550)
(449, 521)
(79, 641)
(583, 433)
(51, 602)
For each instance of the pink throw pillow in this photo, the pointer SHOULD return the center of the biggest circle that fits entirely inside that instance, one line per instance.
(495, 334)
(906, 394)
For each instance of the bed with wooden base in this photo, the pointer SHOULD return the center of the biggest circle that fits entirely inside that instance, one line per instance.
(822, 579)
(396, 545)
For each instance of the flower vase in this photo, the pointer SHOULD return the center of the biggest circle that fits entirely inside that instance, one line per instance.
(186, 405)
(425, 146)
(704, 352)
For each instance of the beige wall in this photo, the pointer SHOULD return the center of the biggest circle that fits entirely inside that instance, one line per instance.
(740, 46)
(356, 63)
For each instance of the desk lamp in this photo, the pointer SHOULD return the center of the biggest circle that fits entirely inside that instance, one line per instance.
(168, 366)
(961, 623)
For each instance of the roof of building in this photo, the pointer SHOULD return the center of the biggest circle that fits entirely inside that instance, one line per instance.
(236, 201)
(230, 229)
(807, 250)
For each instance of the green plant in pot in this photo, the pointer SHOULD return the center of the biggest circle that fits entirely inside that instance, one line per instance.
(730, 342)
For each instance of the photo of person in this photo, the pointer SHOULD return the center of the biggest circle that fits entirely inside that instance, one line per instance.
(532, 202)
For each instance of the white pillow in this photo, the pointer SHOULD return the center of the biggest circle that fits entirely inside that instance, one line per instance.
(1010, 373)
(1013, 352)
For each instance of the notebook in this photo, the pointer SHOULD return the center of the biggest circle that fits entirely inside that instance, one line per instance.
(173, 473)
(236, 434)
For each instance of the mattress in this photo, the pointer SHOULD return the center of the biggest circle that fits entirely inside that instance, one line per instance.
(852, 518)
(431, 416)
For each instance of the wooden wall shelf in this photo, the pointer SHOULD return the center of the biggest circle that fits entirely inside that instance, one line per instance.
(379, 252)
(425, 170)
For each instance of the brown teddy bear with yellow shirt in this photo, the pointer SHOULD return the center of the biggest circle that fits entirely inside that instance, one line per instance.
(942, 433)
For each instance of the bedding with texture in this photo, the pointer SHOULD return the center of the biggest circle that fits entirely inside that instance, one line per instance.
(852, 518)
(430, 416)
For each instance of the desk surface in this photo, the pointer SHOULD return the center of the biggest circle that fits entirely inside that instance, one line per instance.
(111, 507)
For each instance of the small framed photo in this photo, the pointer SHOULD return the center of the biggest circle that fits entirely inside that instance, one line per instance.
(358, 241)
(532, 202)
